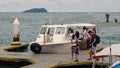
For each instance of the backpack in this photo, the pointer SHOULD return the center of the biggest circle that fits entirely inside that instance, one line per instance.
(97, 39)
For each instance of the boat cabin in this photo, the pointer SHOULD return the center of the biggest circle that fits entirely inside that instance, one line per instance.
(61, 33)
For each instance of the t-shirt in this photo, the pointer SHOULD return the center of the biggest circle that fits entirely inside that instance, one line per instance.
(86, 35)
(92, 39)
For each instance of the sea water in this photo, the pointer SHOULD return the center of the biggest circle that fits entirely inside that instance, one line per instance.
(30, 24)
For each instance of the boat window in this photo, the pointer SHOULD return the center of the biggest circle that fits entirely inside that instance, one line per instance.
(60, 30)
(78, 32)
(51, 31)
(43, 30)
(70, 30)
(79, 29)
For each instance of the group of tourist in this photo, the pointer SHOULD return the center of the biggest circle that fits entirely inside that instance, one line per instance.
(91, 39)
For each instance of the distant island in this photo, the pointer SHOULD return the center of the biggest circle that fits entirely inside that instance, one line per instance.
(36, 10)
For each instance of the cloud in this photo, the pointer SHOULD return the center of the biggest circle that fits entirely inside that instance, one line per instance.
(61, 5)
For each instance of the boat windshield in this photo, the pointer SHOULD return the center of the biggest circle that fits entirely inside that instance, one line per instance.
(60, 30)
(43, 30)
(50, 31)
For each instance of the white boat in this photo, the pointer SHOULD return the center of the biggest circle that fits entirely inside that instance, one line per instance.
(56, 38)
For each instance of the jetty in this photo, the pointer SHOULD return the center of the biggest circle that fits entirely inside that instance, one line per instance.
(12, 48)
(47, 60)
(42, 60)
(15, 59)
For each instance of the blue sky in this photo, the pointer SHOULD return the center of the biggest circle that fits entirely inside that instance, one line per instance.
(61, 5)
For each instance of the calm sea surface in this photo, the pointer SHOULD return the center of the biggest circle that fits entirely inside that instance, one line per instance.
(30, 24)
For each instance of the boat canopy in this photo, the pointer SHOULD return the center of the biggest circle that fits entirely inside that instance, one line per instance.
(114, 49)
(78, 24)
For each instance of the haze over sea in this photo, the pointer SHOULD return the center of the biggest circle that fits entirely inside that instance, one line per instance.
(30, 24)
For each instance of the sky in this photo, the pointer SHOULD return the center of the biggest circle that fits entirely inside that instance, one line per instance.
(61, 5)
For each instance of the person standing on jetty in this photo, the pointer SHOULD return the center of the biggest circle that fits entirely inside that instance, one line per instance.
(74, 48)
(75, 52)
(93, 43)
(86, 36)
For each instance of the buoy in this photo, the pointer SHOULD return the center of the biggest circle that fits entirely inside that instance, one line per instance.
(16, 32)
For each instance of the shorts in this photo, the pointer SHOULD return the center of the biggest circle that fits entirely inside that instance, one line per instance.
(93, 49)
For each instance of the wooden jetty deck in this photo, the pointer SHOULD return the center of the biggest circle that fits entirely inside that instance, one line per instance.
(47, 60)
(14, 47)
